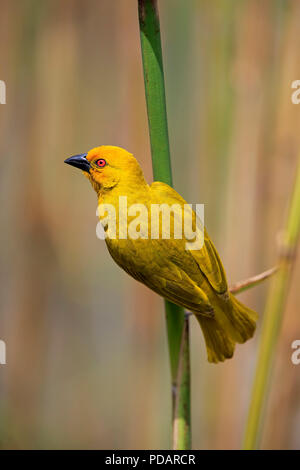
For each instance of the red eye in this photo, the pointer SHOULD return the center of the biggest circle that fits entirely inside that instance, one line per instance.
(101, 162)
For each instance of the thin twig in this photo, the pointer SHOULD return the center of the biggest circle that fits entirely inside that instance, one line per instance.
(252, 281)
(246, 284)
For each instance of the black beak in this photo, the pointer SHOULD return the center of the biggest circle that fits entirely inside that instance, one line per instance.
(79, 161)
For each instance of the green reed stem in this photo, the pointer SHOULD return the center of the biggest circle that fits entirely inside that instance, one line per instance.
(177, 326)
(272, 320)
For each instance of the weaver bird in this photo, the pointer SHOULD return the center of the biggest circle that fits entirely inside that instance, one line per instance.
(193, 279)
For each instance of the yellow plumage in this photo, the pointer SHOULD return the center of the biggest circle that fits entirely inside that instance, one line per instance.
(193, 279)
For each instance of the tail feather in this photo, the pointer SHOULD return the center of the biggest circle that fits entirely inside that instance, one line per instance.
(233, 323)
(218, 344)
(241, 320)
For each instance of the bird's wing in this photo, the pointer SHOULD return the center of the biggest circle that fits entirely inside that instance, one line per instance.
(173, 284)
(206, 258)
(160, 273)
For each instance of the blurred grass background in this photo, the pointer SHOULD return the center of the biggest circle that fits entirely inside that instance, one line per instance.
(87, 362)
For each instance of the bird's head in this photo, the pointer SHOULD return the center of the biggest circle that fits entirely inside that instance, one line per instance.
(108, 166)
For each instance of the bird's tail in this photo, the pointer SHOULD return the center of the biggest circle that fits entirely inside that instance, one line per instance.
(218, 344)
(233, 323)
(241, 320)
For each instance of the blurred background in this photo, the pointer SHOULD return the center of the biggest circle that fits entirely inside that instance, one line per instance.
(87, 360)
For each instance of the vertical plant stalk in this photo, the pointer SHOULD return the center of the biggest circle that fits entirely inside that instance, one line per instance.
(177, 325)
(182, 404)
(272, 319)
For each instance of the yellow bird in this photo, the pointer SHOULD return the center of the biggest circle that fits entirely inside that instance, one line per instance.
(192, 278)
